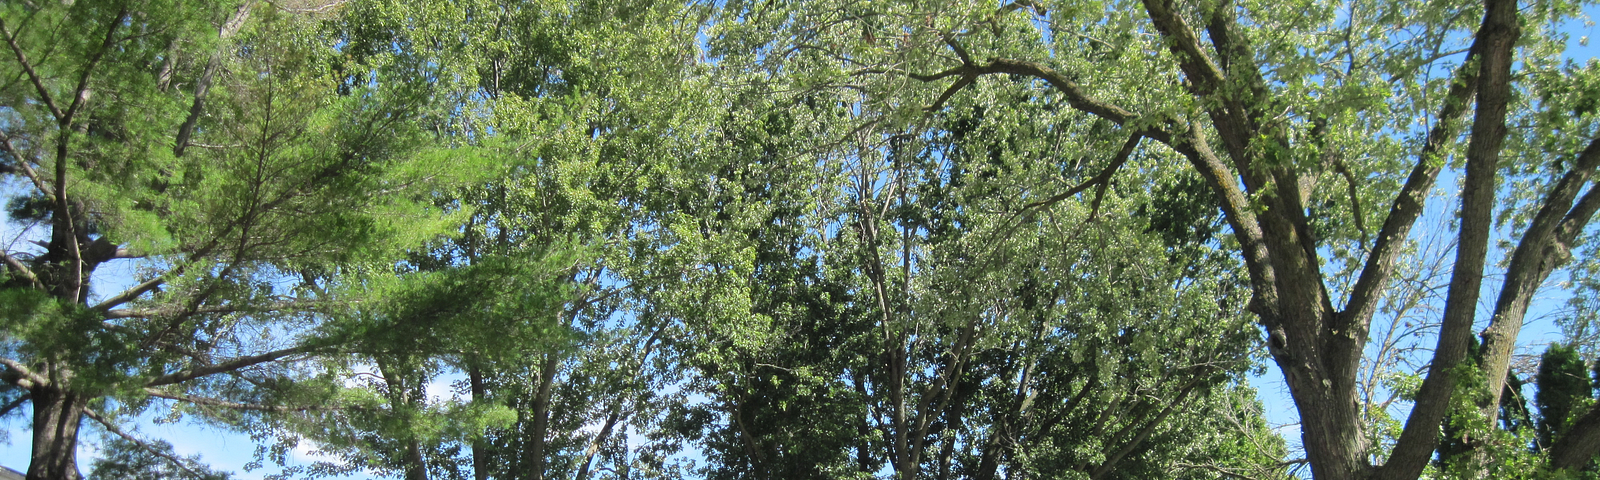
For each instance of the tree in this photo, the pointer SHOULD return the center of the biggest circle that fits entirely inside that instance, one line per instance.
(207, 143)
(906, 316)
(1562, 390)
(544, 93)
(1320, 130)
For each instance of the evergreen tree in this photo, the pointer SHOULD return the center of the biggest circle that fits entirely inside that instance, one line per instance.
(1562, 390)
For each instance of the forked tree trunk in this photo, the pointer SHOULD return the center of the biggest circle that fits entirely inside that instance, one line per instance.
(57, 415)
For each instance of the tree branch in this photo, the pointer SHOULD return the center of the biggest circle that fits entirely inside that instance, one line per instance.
(12, 405)
(212, 402)
(1544, 246)
(1408, 203)
(1205, 76)
(1103, 177)
(203, 85)
(156, 312)
(1580, 444)
(1495, 40)
(24, 377)
(228, 366)
(132, 293)
(1355, 200)
(27, 169)
(21, 270)
(141, 443)
(27, 67)
(1144, 433)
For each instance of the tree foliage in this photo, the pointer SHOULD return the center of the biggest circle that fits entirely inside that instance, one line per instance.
(800, 239)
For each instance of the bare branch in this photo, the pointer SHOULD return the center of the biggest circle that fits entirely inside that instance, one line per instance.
(1216, 469)
(12, 405)
(1103, 177)
(132, 293)
(928, 78)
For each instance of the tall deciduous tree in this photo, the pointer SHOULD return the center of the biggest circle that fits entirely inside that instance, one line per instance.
(907, 318)
(1320, 129)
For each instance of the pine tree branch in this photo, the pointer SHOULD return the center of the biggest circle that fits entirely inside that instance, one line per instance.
(228, 366)
(21, 376)
(169, 310)
(132, 293)
(26, 167)
(212, 402)
(27, 67)
(21, 270)
(141, 443)
(12, 405)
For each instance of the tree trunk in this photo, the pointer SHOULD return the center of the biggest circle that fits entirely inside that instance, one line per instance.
(416, 468)
(57, 415)
(541, 418)
(480, 447)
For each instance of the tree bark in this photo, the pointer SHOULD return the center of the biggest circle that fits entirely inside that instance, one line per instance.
(480, 447)
(57, 414)
(539, 431)
(1544, 246)
(202, 86)
(1581, 443)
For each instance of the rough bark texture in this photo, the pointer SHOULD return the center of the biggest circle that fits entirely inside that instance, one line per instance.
(57, 415)
(1544, 246)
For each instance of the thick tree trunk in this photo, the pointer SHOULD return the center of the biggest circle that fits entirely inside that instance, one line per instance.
(56, 417)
